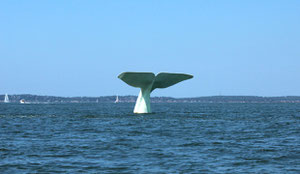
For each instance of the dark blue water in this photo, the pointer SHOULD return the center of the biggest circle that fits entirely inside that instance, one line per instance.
(178, 138)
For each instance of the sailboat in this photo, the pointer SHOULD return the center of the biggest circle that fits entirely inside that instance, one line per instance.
(6, 99)
(117, 99)
(22, 101)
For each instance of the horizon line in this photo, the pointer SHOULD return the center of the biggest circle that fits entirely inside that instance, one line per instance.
(156, 96)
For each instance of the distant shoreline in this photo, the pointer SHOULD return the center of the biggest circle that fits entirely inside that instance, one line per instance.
(15, 98)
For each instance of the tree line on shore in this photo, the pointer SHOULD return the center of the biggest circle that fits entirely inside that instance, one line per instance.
(129, 98)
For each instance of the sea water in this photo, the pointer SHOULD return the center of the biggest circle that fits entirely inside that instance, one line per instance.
(177, 138)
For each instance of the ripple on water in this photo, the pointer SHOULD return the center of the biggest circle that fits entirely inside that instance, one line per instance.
(178, 138)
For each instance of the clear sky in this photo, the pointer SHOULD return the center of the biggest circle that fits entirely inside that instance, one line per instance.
(78, 48)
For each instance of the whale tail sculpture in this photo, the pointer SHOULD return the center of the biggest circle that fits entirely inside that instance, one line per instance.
(148, 82)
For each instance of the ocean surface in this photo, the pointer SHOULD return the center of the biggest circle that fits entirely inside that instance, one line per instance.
(177, 138)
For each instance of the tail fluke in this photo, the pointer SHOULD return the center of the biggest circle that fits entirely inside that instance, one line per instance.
(137, 79)
(164, 80)
(148, 82)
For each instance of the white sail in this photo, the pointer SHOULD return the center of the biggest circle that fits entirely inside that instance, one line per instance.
(117, 99)
(6, 99)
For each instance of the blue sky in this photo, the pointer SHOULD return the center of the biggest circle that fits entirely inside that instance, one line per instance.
(78, 48)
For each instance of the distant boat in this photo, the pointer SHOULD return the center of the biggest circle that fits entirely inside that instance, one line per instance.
(22, 101)
(6, 99)
(117, 99)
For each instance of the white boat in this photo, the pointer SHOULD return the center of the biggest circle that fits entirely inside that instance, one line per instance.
(22, 101)
(6, 99)
(117, 99)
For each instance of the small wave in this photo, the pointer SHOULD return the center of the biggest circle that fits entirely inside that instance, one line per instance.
(4, 150)
(192, 144)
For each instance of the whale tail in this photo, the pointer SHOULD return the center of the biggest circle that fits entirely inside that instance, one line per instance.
(148, 82)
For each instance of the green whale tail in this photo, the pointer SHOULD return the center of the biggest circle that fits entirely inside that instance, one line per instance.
(147, 81)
